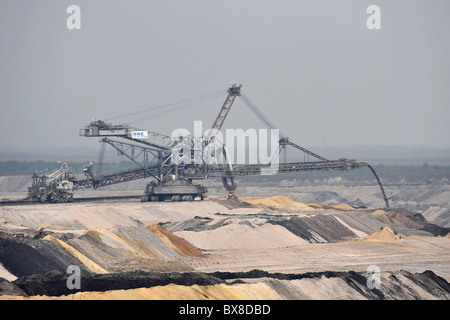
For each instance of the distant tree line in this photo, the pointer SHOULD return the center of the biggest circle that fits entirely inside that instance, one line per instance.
(389, 174)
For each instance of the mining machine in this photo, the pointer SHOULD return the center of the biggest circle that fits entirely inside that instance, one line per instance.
(54, 187)
(152, 153)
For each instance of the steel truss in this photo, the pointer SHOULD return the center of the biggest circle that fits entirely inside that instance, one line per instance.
(153, 158)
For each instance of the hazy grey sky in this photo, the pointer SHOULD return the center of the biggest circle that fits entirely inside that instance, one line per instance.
(313, 67)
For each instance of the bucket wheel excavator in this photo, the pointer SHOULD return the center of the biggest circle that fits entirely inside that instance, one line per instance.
(153, 155)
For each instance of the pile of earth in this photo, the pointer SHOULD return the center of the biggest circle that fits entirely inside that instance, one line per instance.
(269, 229)
(402, 220)
(27, 252)
(383, 235)
(255, 284)
(169, 249)
(432, 201)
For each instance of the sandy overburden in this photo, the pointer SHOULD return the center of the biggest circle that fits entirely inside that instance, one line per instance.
(275, 234)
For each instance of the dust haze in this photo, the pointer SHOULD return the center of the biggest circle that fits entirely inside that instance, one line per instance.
(315, 69)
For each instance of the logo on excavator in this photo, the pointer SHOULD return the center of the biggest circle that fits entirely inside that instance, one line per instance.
(139, 134)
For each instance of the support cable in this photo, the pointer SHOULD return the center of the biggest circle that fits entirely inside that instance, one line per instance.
(257, 111)
(170, 110)
(182, 102)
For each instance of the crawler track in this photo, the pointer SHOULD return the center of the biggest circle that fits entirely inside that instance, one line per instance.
(84, 199)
